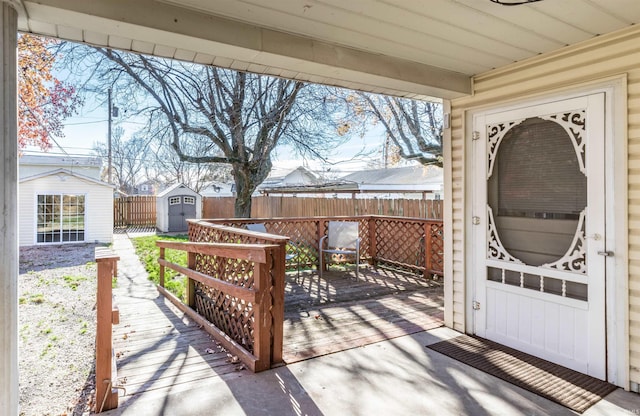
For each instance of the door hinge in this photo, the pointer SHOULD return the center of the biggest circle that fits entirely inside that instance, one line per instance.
(475, 135)
(475, 220)
(476, 305)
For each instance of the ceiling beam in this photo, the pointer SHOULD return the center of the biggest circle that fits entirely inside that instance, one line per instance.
(170, 28)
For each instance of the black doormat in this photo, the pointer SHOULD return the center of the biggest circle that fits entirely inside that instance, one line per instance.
(567, 387)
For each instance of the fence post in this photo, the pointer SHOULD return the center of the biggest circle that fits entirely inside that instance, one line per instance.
(427, 249)
(106, 394)
(262, 318)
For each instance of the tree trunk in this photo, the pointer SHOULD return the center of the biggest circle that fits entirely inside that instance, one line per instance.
(247, 177)
(242, 206)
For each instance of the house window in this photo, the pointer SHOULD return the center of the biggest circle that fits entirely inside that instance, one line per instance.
(189, 200)
(174, 200)
(60, 218)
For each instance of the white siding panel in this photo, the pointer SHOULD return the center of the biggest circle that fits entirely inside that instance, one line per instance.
(98, 206)
(601, 58)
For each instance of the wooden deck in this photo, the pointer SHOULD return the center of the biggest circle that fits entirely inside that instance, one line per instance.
(339, 312)
(159, 350)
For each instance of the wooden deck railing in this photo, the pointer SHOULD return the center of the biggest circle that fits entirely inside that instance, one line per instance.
(236, 292)
(107, 315)
(235, 286)
(410, 243)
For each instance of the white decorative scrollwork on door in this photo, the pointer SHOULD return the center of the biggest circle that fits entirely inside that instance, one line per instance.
(574, 124)
(495, 134)
(495, 249)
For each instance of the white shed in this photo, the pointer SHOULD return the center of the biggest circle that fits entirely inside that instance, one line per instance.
(61, 206)
(174, 206)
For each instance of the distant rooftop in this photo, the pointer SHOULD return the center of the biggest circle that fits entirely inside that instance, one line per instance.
(409, 175)
(53, 160)
(410, 179)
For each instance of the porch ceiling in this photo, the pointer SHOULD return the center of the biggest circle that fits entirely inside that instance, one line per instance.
(413, 48)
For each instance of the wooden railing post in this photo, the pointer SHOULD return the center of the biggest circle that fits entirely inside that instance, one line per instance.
(161, 271)
(277, 298)
(262, 316)
(427, 249)
(106, 394)
(321, 226)
(190, 296)
(373, 240)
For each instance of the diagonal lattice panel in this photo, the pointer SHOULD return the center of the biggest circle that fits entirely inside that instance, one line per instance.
(400, 242)
(437, 246)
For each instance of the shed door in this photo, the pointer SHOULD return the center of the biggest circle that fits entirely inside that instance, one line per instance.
(539, 231)
(181, 208)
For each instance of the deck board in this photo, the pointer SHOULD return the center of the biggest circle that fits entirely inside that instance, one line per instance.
(341, 312)
(160, 350)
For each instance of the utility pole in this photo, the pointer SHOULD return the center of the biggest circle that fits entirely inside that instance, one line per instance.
(113, 112)
(109, 139)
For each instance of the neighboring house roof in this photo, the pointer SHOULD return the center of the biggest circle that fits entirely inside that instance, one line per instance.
(71, 161)
(298, 176)
(399, 180)
(62, 172)
(151, 182)
(30, 165)
(415, 178)
(174, 187)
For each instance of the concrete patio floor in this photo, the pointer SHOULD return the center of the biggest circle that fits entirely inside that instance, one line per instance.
(395, 377)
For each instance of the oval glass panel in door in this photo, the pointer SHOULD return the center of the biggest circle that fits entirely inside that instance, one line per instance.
(537, 191)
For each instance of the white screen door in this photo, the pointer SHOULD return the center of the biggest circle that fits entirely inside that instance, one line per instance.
(539, 228)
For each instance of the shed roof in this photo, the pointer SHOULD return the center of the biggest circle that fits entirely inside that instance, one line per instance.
(174, 187)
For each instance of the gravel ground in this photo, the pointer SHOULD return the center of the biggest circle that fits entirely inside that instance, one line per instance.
(57, 295)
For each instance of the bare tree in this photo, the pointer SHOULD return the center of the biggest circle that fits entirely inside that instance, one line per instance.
(413, 127)
(239, 117)
(166, 166)
(129, 158)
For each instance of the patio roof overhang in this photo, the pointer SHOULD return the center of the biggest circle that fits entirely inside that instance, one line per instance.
(425, 50)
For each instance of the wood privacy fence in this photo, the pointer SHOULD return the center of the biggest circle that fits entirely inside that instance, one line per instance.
(141, 210)
(134, 210)
(291, 207)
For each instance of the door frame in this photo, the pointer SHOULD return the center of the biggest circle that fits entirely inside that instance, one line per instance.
(616, 217)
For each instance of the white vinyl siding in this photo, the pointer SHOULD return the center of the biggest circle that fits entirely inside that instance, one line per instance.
(98, 206)
(597, 60)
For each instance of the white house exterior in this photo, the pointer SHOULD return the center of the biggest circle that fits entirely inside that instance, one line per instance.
(174, 206)
(61, 206)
